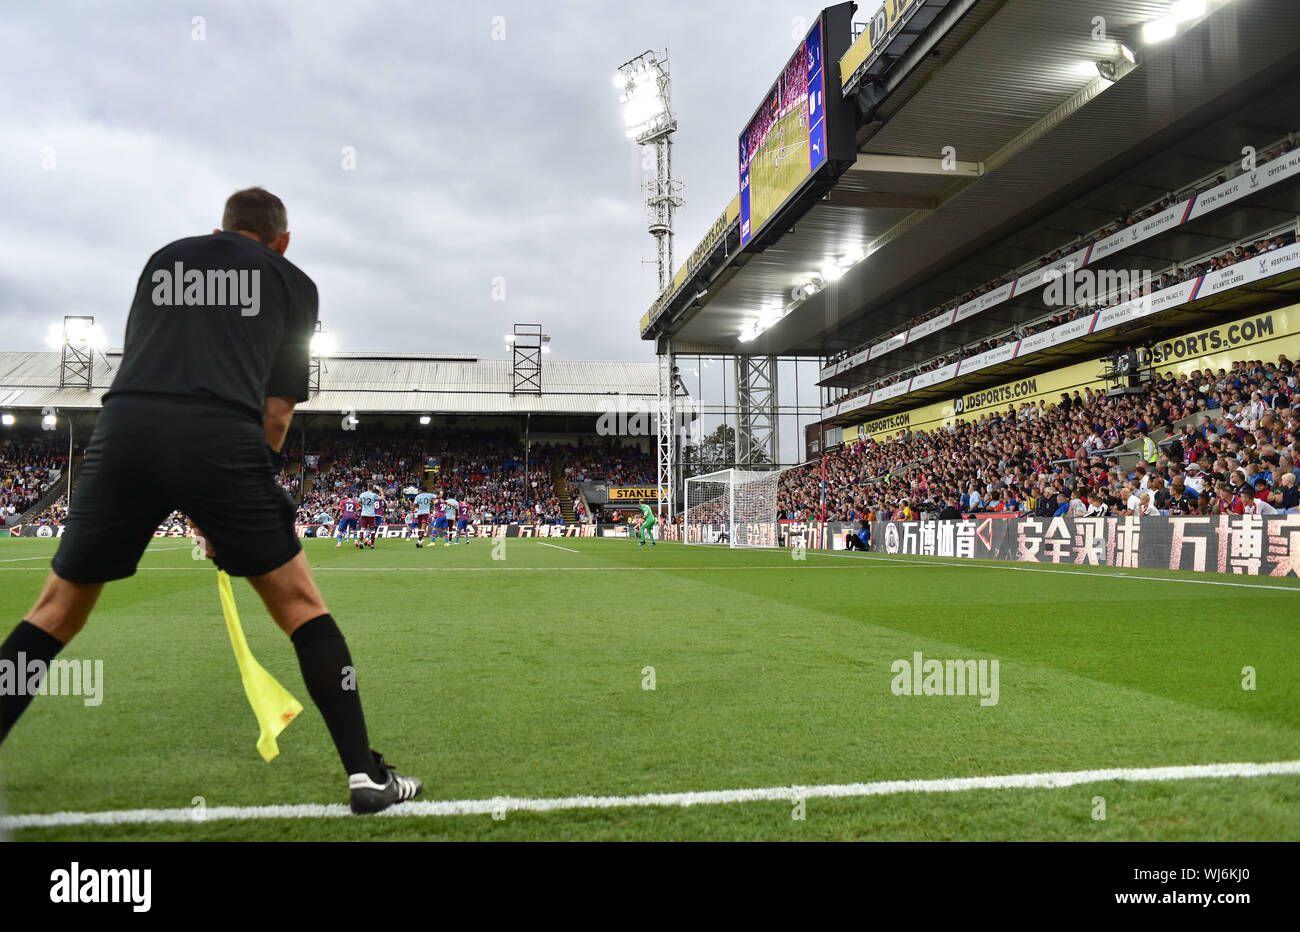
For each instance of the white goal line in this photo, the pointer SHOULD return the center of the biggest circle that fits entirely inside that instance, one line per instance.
(504, 804)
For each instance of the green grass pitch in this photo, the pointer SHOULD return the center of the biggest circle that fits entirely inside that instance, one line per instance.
(771, 183)
(523, 677)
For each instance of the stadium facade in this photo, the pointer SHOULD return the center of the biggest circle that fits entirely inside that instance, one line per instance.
(996, 144)
(1042, 197)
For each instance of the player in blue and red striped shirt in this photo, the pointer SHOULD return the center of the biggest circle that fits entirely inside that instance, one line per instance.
(462, 519)
(349, 511)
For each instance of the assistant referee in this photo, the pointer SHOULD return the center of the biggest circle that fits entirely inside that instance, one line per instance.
(216, 357)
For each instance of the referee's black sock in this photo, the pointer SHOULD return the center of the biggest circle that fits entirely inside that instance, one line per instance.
(26, 643)
(332, 682)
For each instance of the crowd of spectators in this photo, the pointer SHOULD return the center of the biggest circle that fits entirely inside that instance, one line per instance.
(609, 460)
(1237, 452)
(347, 466)
(487, 473)
(26, 467)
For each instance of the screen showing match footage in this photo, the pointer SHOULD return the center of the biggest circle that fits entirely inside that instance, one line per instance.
(785, 141)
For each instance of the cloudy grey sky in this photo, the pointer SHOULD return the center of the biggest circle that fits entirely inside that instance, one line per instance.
(475, 157)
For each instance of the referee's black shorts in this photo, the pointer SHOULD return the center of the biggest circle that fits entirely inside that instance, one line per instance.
(150, 455)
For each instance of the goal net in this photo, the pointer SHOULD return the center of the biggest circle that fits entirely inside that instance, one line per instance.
(736, 507)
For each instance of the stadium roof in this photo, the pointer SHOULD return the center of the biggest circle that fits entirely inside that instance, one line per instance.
(379, 383)
(1013, 87)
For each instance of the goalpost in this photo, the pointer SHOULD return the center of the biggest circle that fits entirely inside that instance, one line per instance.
(736, 507)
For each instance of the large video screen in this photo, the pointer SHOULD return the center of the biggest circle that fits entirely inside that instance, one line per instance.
(785, 142)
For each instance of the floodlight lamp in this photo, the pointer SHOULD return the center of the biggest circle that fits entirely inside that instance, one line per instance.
(1107, 70)
(425, 419)
(7, 420)
(1184, 10)
(323, 344)
(1130, 56)
(49, 420)
(1158, 30)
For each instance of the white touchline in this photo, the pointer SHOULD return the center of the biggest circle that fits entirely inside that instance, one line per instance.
(1043, 569)
(558, 547)
(46, 556)
(500, 804)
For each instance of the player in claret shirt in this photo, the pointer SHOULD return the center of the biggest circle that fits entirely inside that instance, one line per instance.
(423, 501)
(370, 501)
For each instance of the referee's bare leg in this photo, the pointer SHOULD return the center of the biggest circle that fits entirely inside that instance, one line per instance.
(60, 612)
(292, 599)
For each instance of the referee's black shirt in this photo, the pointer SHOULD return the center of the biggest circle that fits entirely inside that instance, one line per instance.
(219, 318)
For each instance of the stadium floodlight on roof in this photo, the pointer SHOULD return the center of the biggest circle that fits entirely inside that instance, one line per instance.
(323, 343)
(7, 420)
(527, 342)
(78, 338)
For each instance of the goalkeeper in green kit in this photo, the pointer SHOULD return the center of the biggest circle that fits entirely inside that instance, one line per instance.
(647, 525)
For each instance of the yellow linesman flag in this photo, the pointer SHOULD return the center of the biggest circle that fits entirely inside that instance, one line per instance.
(271, 702)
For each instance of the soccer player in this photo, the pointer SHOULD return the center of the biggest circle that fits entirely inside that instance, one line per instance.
(412, 524)
(349, 508)
(449, 509)
(439, 521)
(462, 520)
(646, 530)
(370, 498)
(195, 420)
(422, 503)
